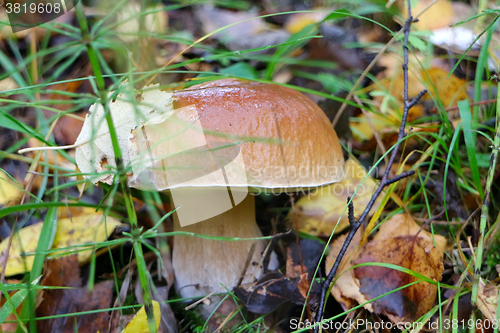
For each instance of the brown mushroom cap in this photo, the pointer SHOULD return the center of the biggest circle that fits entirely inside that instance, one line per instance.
(286, 140)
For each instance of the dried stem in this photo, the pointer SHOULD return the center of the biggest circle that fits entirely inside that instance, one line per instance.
(384, 182)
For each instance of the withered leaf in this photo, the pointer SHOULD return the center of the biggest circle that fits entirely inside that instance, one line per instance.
(318, 213)
(65, 272)
(266, 296)
(303, 257)
(275, 289)
(406, 251)
(401, 242)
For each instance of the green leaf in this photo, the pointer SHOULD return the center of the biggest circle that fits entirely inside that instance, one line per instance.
(242, 70)
(417, 43)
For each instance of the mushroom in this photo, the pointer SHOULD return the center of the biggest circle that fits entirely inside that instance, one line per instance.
(304, 153)
(216, 141)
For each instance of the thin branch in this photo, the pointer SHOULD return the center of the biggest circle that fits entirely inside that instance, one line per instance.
(384, 182)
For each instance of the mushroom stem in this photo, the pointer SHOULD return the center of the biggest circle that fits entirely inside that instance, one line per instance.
(203, 266)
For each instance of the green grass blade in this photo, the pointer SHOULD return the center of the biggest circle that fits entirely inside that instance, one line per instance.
(450, 153)
(470, 143)
(12, 303)
(44, 244)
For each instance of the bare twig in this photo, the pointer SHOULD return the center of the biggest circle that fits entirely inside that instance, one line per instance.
(384, 182)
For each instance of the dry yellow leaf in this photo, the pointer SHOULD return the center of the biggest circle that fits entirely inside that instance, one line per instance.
(72, 211)
(401, 242)
(298, 21)
(317, 213)
(79, 230)
(8, 84)
(438, 15)
(139, 324)
(487, 300)
(448, 90)
(361, 129)
(8, 190)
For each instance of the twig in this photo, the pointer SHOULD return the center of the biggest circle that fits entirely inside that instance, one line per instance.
(370, 66)
(384, 182)
(454, 108)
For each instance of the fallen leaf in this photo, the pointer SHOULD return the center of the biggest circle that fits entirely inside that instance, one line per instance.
(346, 289)
(129, 18)
(274, 289)
(298, 21)
(95, 153)
(318, 213)
(361, 129)
(448, 90)
(67, 128)
(8, 84)
(70, 232)
(438, 15)
(401, 242)
(487, 300)
(248, 30)
(9, 191)
(64, 272)
(139, 324)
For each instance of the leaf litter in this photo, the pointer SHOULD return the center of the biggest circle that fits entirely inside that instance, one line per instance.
(401, 242)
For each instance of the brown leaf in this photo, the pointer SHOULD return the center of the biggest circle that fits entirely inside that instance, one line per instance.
(406, 251)
(266, 296)
(275, 289)
(65, 272)
(400, 241)
(66, 129)
(304, 285)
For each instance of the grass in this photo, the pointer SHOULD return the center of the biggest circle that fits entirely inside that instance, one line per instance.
(39, 68)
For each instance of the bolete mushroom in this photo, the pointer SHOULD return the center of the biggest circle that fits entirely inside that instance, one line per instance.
(212, 141)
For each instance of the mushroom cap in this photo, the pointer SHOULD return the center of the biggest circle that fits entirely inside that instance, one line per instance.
(223, 133)
(286, 140)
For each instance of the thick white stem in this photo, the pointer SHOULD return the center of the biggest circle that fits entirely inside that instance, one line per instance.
(203, 266)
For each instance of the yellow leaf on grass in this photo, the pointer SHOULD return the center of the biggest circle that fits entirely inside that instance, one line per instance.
(361, 129)
(8, 190)
(298, 21)
(448, 90)
(317, 213)
(139, 324)
(79, 230)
